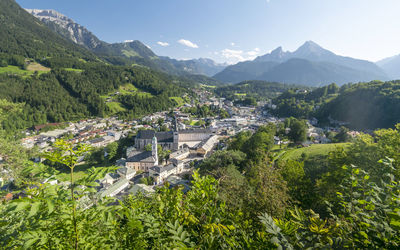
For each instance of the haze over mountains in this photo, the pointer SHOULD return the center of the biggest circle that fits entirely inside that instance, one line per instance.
(391, 66)
(310, 65)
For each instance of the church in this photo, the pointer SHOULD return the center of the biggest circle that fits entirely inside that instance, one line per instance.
(173, 140)
(143, 160)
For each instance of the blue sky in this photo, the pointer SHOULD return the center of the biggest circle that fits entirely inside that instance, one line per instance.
(237, 30)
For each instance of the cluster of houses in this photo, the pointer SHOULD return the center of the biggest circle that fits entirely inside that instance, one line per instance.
(95, 132)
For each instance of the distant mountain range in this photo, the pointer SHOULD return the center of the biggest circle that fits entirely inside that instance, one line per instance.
(309, 65)
(126, 52)
(391, 66)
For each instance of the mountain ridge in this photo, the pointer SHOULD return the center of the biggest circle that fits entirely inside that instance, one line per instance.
(391, 65)
(315, 58)
(124, 52)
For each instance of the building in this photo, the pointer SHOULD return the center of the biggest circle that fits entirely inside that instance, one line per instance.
(144, 189)
(161, 173)
(126, 172)
(115, 189)
(143, 160)
(145, 137)
(192, 137)
(207, 145)
(180, 154)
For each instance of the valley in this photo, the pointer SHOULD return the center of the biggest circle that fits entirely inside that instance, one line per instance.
(190, 139)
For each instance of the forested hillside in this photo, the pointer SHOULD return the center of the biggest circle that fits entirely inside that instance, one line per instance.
(57, 80)
(260, 90)
(63, 95)
(363, 106)
(22, 34)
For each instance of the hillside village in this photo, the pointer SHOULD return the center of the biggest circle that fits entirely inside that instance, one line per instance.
(171, 132)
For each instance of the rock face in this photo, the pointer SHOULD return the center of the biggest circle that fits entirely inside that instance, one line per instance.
(66, 27)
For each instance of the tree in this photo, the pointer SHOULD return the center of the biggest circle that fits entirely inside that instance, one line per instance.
(111, 150)
(3, 63)
(298, 131)
(343, 135)
(67, 154)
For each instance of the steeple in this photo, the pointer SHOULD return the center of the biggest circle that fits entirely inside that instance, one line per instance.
(154, 149)
(176, 125)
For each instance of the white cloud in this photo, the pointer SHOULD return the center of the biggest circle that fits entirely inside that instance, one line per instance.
(234, 56)
(147, 46)
(163, 44)
(254, 52)
(128, 41)
(188, 43)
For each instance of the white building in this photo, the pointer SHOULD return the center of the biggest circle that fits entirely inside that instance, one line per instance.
(115, 189)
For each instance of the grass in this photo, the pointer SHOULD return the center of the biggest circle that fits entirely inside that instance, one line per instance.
(126, 89)
(313, 150)
(115, 107)
(178, 100)
(31, 69)
(37, 67)
(129, 53)
(208, 86)
(74, 70)
(14, 70)
(80, 171)
(240, 94)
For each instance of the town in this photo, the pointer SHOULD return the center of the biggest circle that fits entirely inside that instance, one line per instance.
(185, 140)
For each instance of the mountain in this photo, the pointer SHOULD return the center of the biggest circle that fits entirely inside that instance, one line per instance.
(66, 27)
(56, 80)
(309, 73)
(22, 34)
(249, 70)
(203, 66)
(123, 53)
(310, 64)
(391, 66)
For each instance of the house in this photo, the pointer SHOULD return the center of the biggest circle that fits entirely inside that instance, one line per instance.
(180, 154)
(126, 172)
(160, 173)
(277, 140)
(115, 189)
(108, 179)
(141, 188)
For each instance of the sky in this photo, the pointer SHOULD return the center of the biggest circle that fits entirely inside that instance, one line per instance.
(238, 30)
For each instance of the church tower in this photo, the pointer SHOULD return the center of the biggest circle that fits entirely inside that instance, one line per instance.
(154, 150)
(175, 145)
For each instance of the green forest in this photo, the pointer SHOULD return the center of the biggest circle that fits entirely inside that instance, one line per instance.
(362, 106)
(68, 95)
(259, 90)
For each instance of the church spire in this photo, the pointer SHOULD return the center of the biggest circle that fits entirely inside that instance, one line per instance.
(154, 149)
(176, 125)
